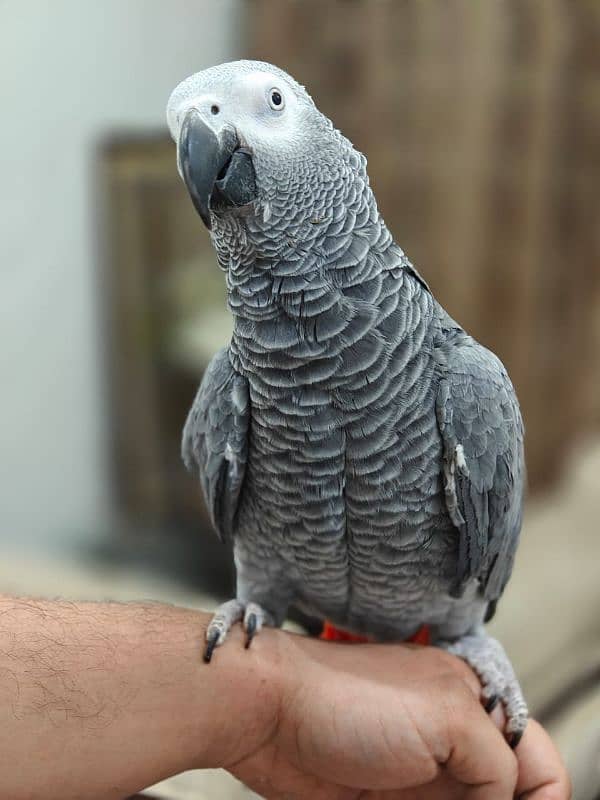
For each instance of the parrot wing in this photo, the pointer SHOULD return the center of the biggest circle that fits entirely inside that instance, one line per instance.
(215, 440)
(484, 473)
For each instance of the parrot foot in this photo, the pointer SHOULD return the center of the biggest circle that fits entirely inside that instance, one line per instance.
(252, 615)
(487, 658)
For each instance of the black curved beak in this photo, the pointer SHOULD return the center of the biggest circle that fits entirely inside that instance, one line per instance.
(217, 172)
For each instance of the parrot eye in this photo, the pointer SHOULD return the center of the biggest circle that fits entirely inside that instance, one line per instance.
(276, 99)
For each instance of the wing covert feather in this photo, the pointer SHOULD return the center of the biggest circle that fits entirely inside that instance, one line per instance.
(215, 440)
(482, 431)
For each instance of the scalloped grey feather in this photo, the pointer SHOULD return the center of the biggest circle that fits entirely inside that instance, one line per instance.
(363, 452)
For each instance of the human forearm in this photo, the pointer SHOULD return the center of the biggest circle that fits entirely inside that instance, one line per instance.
(99, 700)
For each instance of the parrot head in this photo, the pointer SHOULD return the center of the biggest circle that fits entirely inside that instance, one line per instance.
(252, 145)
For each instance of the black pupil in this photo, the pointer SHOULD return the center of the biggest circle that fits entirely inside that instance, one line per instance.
(276, 98)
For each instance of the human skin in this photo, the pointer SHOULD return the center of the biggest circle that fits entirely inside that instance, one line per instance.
(100, 700)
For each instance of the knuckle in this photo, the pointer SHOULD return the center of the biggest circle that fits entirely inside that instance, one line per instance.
(459, 668)
(450, 660)
(455, 690)
(458, 701)
(511, 769)
(507, 767)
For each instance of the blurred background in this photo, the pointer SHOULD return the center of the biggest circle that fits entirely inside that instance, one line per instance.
(481, 123)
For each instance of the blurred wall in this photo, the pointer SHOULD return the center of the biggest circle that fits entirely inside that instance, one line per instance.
(70, 73)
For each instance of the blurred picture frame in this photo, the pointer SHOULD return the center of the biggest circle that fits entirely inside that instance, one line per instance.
(164, 315)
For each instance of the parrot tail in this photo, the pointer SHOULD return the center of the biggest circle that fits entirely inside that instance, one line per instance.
(332, 634)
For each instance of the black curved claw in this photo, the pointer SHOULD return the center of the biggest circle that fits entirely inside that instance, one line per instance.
(491, 703)
(210, 646)
(250, 629)
(514, 740)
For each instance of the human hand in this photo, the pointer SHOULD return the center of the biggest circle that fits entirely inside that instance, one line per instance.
(112, 697)
(388, 721)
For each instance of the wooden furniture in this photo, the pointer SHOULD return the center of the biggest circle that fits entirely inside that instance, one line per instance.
(165, 316)
(481, 122)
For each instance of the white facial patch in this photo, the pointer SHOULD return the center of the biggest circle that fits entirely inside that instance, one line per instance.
(242, 100)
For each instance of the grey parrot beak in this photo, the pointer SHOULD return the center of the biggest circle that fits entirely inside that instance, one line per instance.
(217, 172)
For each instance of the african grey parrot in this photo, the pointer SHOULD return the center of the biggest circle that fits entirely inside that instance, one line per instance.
(362, 451)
